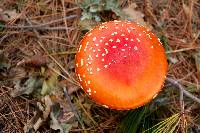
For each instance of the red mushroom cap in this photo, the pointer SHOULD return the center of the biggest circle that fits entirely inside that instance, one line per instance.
(121, 64)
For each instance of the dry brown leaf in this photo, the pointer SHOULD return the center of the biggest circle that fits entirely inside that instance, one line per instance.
(28, 86)
(50, 83)
(135, 15)
(87, 24)
(8, 15)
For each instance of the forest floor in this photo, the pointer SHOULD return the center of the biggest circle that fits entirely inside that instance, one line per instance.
(38, 42)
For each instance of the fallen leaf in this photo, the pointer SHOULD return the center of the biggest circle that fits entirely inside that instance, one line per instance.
(8, 15)
(54, 124)
(133, 15)
(34, 123)
(87, 24)
(50, 82)
(26, 87)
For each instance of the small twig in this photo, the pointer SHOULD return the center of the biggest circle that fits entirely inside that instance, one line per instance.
(38, 28)
(42, 26)
(73, 108)
(182, 113)
(185, 92)
(181, 50)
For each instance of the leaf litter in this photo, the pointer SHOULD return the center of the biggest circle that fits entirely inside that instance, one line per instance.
(27, 74)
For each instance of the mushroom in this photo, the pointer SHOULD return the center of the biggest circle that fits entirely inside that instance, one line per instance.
(121, 64)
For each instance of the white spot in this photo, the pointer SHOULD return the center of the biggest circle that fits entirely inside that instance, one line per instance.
(94, 50)
(159, 41)
(111, 40)
(98, 69)
(126, 38)
(151, 46)
(116, 27)
(89, 94)
(138, 39)
(123, 49)
(131, 40)
(105, 106)
(109, 63)
(79, 77)
(91, 73)
(94, 38)
(97, 55)
(90, 34)
(140, 34)
(129, 31)
(90, 57)
(95, 91)
(86, 46)
(115, 32)
(117, 21)
(100, 40)
(101, 27)
(79, 48)
(103, 54)
(99, 50)
(88, 82)
(135, 47)
(128, 22)
(89, 69)
(82, 62)
(125, 44)
(76, 64)
(84, 75)
(114, 46)
(155, 96)
(149, 36)
(122, 35)
(118, 40)
(102, 59)
(125, 56)
(106, 44)
(89, 90)
(96, 44)
(103, 37)
(106, 50)
(105, 66)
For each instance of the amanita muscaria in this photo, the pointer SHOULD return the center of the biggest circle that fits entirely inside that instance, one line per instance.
(121, 64)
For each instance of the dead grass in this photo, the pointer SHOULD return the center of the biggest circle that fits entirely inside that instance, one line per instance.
(56, 41)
